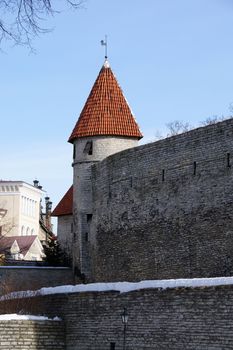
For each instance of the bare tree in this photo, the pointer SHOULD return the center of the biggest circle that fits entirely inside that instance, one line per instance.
(21, 20)
(177, 127)
(212, 120)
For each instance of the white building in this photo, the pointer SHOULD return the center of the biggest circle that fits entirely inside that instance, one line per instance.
(20, 215)
(20, 208)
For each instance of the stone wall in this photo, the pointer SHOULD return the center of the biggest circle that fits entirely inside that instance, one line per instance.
(14, 278)
(178, 318)
(65, 233)
(102, 147)
(164, 210)
(32, 335)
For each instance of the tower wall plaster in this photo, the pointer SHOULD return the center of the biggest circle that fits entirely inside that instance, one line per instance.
(102, 146)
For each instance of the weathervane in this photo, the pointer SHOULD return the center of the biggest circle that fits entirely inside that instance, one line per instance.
(105, 43)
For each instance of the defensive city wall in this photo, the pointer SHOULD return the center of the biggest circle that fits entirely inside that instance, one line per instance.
(14, 278)
(160, 211)
(177, 318)
(32, 335)
(164, 210)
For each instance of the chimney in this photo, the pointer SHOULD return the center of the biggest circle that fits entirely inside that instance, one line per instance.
(48, 210)
(36, 183)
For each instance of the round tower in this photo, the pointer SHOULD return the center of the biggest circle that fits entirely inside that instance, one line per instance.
(105, 126)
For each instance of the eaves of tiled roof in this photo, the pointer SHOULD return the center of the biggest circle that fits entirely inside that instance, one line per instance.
(106, 111)
(65, 206)
(24, 243)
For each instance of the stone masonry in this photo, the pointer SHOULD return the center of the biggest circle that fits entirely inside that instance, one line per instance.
(13, 278)
(177, 318)
(83, 205)
(164, 210)
(32, 335)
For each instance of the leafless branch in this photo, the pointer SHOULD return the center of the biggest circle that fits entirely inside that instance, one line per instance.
(21, 20)
(212, 120)
(177, 127)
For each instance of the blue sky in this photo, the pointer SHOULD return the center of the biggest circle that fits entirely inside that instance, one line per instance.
(172, 58)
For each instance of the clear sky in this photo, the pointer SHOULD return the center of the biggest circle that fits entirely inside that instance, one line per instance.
(172, 58)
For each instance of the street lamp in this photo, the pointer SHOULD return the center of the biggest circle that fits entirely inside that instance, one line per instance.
(124, 317)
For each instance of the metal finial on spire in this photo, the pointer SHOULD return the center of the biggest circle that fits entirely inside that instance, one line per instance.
(105, 43)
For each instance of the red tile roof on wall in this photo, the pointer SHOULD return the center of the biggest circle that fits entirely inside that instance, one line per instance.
(106, 111)
(65, 206)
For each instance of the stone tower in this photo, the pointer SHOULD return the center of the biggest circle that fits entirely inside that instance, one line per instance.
(105, 126)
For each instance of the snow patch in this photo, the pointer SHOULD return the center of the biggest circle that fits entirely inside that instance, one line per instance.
(35, 267)
(124, 287)
(8, 317)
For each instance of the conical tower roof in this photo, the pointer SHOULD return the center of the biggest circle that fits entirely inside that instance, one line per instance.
(106, 111)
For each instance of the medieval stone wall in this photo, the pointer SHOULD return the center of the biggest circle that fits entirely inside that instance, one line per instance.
(14, 278)
(65, 233)
(32, 335)
(88, 151)
(164, 210)
(178, 318)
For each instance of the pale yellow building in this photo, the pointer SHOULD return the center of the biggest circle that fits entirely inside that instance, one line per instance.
(20, 208)
(20, 216)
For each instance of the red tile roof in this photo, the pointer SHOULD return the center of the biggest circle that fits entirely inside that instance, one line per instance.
(106, 111)
(24, 243)
(65, 206)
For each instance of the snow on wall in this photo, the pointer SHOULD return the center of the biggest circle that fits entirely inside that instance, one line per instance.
(124, 287)
(8, 317)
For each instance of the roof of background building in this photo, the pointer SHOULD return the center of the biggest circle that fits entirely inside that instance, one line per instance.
(24, 243)
(106, 111)
(65, 206)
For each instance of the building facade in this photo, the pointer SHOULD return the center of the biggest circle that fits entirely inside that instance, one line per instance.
(20, 203)
(23, 226)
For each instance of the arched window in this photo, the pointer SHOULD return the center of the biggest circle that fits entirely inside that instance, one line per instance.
(32, 232)
(22, 231)
(28, 231)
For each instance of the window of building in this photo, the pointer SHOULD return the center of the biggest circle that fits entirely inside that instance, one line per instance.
(32, 232)
(163, 175)
(89, 218)
(28, 231)
(22, 231)
(88, 149)
(74, 152)
(194, 168)
(228, 160)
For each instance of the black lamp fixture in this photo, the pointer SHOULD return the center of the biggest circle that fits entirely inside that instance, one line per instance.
(124, 317)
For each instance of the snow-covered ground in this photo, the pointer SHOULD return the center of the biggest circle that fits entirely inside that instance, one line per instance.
(124, 287)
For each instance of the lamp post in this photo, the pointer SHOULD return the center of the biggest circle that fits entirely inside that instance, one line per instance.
(124, 317)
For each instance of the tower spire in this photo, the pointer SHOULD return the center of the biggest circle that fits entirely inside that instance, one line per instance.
(105, 43)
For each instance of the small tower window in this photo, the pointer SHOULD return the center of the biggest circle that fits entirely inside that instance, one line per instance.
(88, 149)
(163, 175)
(74, 152)
(194, 168)
(89, 218)
(228, 160)
(86, 237)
